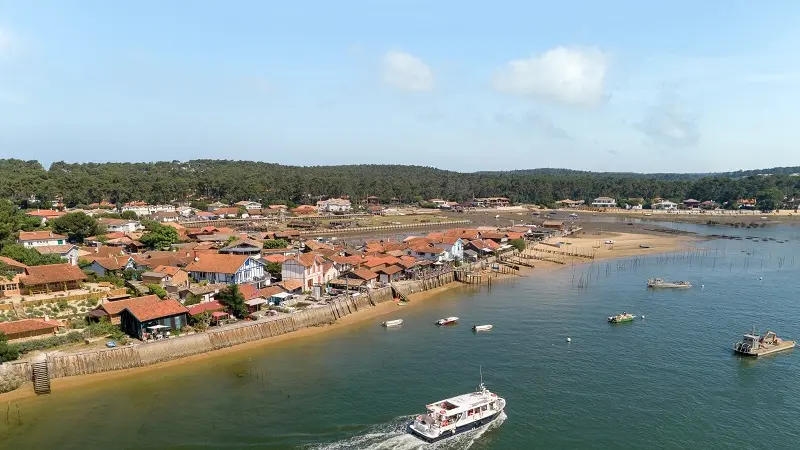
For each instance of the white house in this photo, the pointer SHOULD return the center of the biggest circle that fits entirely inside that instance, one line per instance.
(307, 268)
(68, 252)
(604, 202)
(246, 204)
(665, 205)
(453, 247)
(227, 268)
(428, 253)
(30, 239)
(438, 202)
(120, 225)
(334, 205)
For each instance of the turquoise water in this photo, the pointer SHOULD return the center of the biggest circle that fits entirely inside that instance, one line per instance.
(666, 381)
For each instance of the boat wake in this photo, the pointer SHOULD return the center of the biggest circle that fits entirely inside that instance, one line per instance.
(393, 435)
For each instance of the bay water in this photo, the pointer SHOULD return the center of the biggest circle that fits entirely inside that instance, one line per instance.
(667, 380)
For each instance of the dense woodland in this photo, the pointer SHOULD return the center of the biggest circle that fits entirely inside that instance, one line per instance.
(162, 182)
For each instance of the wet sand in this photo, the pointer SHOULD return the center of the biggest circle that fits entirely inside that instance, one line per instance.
(626, 245)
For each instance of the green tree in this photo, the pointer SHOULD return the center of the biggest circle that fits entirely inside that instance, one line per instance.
(274, 269)
(128, 215)
(518, 244)
(233, 300)
(275, 243)
(159, 236)
(7, 352)
(157, 290)
(769, 199)
(77, 226)
(29, 256)
(6, 271)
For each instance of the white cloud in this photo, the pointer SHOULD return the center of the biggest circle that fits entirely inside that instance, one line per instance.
(570, 75)
(668, 123)
(405, 71)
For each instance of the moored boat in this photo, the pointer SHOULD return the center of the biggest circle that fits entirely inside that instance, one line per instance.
(447, 321)
(449, 417)
(393, 323)
(661, 283)
(619, 318)
(754, 345)
(482, 327)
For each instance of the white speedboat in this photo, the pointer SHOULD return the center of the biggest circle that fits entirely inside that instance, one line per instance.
(447, 321)
(482, 327)
(449, 417)
(393, 323)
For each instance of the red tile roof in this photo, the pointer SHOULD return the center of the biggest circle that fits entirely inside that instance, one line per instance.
(275, 258)
(113, 262)
(217, 263)
(51, 273)
(27, 325)
(364, 274)
(391, 270)
(270, 291)
(207, 306)
(152, 311)
(169, 270)
(116, 307)
(54, 249)
(291, 285)
(45, 213)
(248, 291)
(12, 263)
(39, 235)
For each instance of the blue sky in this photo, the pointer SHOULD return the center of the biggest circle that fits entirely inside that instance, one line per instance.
(464, 85)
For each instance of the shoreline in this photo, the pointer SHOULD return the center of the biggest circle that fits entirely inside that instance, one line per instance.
(666, 244)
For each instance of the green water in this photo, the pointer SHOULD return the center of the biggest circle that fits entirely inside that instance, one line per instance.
(666, 381)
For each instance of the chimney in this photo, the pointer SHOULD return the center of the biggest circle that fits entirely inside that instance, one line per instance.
(196, 258)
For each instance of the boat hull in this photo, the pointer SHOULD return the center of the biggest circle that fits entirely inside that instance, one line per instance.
(458, 430)
(620, 320)
(783, 346)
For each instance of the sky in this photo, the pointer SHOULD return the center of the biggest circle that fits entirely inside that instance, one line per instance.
(613, 85)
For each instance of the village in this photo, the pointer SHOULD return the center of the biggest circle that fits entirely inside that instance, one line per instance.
(224, 269)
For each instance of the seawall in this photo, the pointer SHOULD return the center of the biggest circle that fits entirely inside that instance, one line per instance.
(132, 356)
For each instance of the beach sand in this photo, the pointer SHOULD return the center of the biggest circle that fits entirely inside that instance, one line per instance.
(626, 245)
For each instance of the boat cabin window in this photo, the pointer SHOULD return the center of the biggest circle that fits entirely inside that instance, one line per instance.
(484, 408)
(491, 405)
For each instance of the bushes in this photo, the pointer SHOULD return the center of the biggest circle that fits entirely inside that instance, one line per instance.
(105, 328)
(42, 344)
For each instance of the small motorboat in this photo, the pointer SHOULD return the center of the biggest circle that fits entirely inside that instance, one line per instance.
(482, 327)
(447, 321)
(111, 344)
(393, 323)
(620, 318)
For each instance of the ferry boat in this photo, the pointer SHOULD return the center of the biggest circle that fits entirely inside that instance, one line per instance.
(449, 417)
(393, 323)
(660, 283)
(754, 345)
(482, 327)
(447, 321)
(619, 318)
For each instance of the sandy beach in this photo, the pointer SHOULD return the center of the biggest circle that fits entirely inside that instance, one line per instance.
(625, 245)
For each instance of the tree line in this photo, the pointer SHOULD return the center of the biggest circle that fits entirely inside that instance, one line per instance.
(230, 181)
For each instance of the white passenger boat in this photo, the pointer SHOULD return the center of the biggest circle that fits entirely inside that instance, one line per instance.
(661, 283)
(393, 323)
(447, 321)
(482, 327)
(449, 417)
